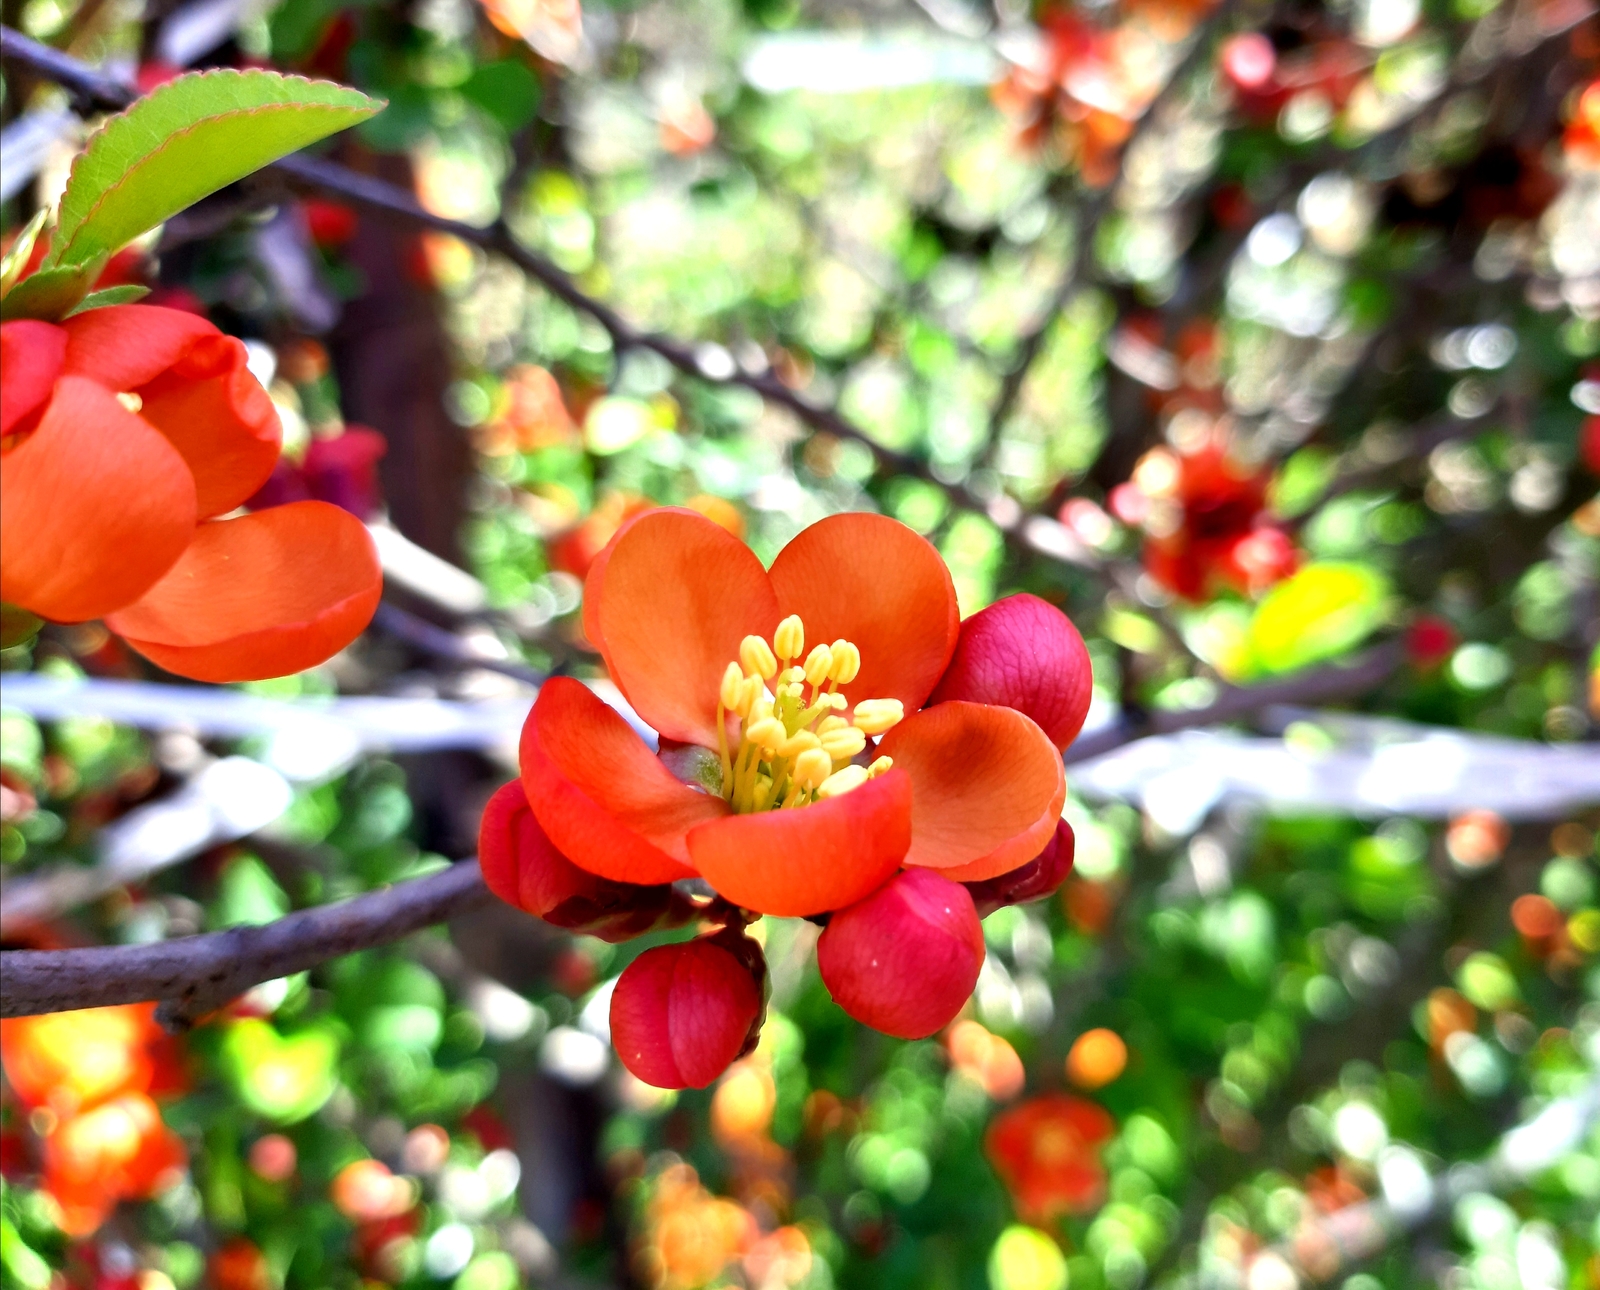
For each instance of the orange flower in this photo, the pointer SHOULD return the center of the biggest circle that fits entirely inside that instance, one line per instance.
(854, 625)
(124, 433)
(987, 1058)
(1047, 1153)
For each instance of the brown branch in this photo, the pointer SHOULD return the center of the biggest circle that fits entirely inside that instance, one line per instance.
(1336, 681)
(193, 975)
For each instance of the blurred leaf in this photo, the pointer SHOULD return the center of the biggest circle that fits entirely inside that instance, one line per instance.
(507, 90)
(284, 1079)
(1317, 614)
(247, 895)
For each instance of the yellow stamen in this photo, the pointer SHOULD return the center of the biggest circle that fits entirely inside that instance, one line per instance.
(844, 744)
(879, 767)
(818, 664)
(795, 744)
(841, 781)
(812, 769)
(874, 716)
(790, 638)
(732, 687)
(130, 401)
(846, 662)
(768, 734)
(831, 723)
(755, 656)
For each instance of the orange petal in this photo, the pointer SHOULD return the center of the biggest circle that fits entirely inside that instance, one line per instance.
(812, 859)
(95, 506)
(31, 354)
(126, 346)
(873, 581)
(604, 801)
(987, 788)
(671, 598)
(263, 595)
(220, 419)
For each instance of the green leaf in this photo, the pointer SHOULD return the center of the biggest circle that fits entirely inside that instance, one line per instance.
(1319, 613)
(16, 259)
(123, 295)
(51, 293)
(17, 625)
(184, 141)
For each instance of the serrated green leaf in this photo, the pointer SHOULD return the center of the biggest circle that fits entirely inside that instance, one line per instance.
(184, 141)
(1319, 613)
(51, 293)
(123, 295)
(16, 259)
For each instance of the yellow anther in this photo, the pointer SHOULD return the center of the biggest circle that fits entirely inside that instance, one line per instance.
(755, 656)
(874, 716)
(812, 769)
(761, 703)
(732, 687)
(842, 781)
(838, 702)
(879, 767)
(790, 638)
(843, 744)
(799, 743)
(768, 732)
(792, 675)
(818, 664)
(130, 401)
(831, 723)
(846, 662)
(762, 793)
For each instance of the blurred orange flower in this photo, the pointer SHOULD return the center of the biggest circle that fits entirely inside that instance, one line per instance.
(690, 1235)
(986, 1058)
(1097, 1057)
(1047, 1153)
(120, 1150)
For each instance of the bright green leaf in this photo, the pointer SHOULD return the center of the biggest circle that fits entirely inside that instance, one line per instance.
(185, 140)
(283, 1079)
(1319, 613)
(123, 295)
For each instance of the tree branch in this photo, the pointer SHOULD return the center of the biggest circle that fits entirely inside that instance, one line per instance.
(1321, 685)
(193, 975)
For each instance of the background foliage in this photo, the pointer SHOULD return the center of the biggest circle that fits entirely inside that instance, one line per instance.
(1251, 336)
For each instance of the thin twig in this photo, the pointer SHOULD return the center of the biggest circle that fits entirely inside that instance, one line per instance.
(420, 634)
(1336, 681)
(193, 975)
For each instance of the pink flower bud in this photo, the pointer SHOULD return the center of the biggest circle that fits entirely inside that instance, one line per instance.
(1041, 877)
(1023, 653)
(522, 867)
(906, 958)
(680, 1014)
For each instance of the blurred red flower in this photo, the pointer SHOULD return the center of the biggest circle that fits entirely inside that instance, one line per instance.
(1047, 1153)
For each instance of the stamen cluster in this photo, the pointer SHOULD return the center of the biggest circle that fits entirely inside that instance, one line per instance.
(794, 747)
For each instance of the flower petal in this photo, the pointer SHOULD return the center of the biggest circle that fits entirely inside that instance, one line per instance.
(1025, 654)
(221, 420)
(873, 581)
(987, 788)
(812, 859)
(263, 595)
(671, 598)
(95, 506)
(603, 800)
(126, 346)
(31, 354)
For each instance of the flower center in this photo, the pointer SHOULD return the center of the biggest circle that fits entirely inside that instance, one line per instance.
(793, 746)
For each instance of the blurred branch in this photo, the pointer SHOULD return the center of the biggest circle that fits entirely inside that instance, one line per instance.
(194, 975)
(422, 635)
(1336, 681)
(1091, 212)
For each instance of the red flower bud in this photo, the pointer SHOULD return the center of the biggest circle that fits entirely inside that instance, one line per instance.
(1040, 878)
(1025, 654)
(522, 867)
(344, 470)
(681, 1014)
(1429, 641)
(906, 958)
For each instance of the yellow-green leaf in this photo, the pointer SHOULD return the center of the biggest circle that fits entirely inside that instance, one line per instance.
(1319, 613)
(185, 140)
